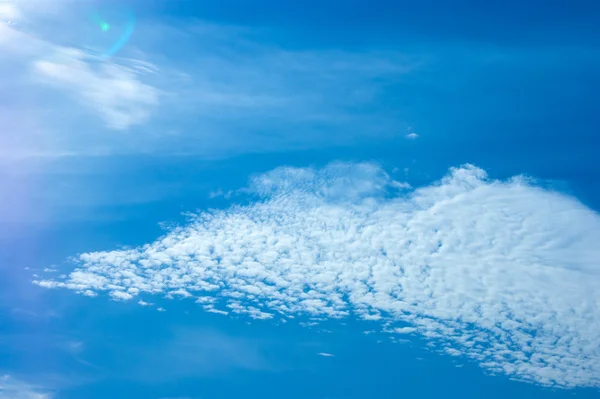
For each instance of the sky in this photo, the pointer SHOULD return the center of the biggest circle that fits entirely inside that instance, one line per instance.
(316, 200)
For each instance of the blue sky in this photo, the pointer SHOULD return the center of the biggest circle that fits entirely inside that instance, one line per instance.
(317, 199)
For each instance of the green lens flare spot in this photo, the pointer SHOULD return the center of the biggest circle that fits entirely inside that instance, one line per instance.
(104, 26)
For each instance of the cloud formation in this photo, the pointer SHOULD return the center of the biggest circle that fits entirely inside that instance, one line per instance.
(502, 272)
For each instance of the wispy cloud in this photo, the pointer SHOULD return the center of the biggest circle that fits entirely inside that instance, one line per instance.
(236, 92)
(55, 85)
(502, 272)
(113, 90)
(325, 354)
(12, 388)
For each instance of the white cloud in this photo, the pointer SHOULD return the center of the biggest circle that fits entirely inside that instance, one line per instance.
(503, 272)
(453, 352)
(12, 388)
(211, 309)
(404, 330)
(412, 136)
(121, 296)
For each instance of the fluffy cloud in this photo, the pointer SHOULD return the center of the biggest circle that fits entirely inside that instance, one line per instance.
(502, 272)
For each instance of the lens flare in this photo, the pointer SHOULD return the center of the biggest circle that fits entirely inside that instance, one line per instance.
(118, 29)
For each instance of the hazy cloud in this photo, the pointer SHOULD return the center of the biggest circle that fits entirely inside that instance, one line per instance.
(112, 90)
(214, 99)
(194, 352)
(12, 388)
(8, 12)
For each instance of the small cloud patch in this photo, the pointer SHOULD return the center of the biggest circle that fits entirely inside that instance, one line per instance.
(325, 354)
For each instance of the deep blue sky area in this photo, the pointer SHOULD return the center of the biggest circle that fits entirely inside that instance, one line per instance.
(314, 200)
(509, 22)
